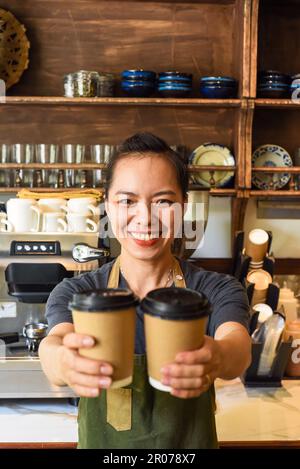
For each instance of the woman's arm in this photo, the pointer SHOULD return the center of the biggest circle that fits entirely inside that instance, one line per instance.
(226, 356)
(63, 365)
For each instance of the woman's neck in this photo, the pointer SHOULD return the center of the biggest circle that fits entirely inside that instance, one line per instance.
(143, 276)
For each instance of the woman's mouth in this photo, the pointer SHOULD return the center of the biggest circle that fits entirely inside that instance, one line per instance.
(144, 239)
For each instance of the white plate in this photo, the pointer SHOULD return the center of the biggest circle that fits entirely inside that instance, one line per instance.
(215, 155)
(271, 156)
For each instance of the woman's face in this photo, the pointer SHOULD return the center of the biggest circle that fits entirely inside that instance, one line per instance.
(145, 205)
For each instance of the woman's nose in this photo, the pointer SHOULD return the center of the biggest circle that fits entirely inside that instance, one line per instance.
(143, 215)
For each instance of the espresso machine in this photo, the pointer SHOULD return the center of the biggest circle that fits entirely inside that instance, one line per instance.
(31, 265)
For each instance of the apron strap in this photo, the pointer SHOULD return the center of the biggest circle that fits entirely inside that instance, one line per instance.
(113, 280)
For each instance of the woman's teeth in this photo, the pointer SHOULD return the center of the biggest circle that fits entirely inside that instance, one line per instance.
(144, 236)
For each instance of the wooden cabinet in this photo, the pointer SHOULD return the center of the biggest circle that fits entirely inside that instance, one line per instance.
(204, 37)
(275, 36)
(200, 37)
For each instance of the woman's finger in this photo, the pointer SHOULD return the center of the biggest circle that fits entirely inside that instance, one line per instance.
(80, 364)
(76, 341)
(186, 383)
(185, 371)
(202, 355)
(187, 393)
(84, 391)
(89, 381)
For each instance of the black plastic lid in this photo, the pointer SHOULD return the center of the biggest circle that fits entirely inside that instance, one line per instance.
(103, 299)
(176, 303)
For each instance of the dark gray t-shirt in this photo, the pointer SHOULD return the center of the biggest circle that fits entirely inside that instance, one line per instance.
(227, 296)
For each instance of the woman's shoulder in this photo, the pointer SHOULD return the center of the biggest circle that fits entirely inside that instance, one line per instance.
(87, 280)
(198, 278)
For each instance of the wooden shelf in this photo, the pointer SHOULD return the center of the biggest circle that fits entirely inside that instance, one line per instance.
(118, 101)
(278, 169)
(92, 166)
(274, 193)
(276, 103)
(214, 192)
(39, 166)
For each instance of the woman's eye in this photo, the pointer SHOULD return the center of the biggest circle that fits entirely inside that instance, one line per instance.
(126, 202)
(164, 202)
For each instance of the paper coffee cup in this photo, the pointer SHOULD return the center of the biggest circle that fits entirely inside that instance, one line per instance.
(108, 315)
(257, 245)
(175, 321)
(261, 280)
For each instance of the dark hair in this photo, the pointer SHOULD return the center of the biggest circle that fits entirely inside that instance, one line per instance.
(143, 143)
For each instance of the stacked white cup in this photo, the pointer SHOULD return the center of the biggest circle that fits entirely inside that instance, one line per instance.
(53, 215)
(82, 215)
(23, 215)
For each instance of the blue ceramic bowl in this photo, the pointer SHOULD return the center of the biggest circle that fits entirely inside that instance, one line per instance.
(274, 86)
(138, 89)
(218, 92)
(139, 74)
(274, 76)
(267, 82)
(225, 80)
(174, 90)
(218, 83)
(273, 91)
(176, 75)
(170, 79)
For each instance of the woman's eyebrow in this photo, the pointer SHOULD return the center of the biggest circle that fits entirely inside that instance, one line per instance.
(165, 193)
(169, 192)
(125, 192)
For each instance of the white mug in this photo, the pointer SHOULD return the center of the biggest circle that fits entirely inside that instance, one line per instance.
(5, 223)
(52, 205)
(54, 222)
(23, 214)
(80, 223)
(82, 205)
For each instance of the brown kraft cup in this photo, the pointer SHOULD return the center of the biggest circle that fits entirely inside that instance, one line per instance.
(108, 315)
(257, 245)
(175, 321)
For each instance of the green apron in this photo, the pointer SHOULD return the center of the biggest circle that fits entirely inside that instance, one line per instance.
(140, 416)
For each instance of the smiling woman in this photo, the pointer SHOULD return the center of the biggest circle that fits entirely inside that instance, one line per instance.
(146, 190)
(145, 195)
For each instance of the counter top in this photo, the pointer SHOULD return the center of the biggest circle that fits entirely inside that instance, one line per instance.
(38, 421)
(245, 417)
(258, 414)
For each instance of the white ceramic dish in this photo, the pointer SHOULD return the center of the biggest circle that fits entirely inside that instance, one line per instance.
(216, 155)
(271, 156)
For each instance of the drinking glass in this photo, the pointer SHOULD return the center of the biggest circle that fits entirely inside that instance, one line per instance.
(48, 154)
(72, 153)
(23, 153)
(5, 157)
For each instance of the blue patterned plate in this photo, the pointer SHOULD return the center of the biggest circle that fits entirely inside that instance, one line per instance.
(271, 156)
(215, 155)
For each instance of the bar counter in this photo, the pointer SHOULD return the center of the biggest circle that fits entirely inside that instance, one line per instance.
(246, 417)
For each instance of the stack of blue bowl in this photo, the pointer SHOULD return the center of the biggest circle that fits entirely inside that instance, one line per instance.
(138, 83)
(295, 87)
(174, 84)
(218, 87)
(272, 84)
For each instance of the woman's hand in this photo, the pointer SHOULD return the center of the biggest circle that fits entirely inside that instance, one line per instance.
(193, 372)
(85, 376)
